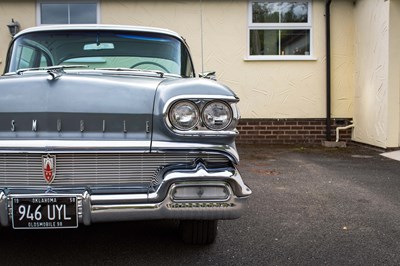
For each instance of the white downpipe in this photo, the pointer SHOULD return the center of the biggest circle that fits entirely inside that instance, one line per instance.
(342, 128)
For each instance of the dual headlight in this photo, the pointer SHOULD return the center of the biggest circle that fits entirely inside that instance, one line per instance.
(187, 115)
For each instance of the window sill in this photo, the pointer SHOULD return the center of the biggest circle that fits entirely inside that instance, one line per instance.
(280, 58)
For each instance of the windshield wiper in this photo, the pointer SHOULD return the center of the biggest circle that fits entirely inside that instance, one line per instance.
(158, 72)
(59, 68)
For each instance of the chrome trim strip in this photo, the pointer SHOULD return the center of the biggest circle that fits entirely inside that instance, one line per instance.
(86, 209)
(119, 198)
(4, 221)
(75, 145)
(163, 147)
(167, 210)
(229, 175)
(228, 98)
(205, 133)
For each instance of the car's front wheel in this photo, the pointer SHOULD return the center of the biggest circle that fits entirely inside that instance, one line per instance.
(198, 232)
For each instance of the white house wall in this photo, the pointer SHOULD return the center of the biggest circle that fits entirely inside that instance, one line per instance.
(376, 113)
(342, 58)
(394, 76)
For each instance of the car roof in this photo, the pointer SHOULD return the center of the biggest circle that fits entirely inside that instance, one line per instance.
(67, 27)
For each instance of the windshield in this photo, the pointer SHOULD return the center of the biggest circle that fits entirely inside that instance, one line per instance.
(102, 49)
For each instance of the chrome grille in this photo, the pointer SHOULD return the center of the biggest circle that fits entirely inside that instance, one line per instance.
(92, 169)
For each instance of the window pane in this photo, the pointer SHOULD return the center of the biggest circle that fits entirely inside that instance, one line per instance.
(264, 42)
(25, 57)
(295, 42)
(293, 12)
(54, 13)
(43, 61)
(279, 12)
(83, 13)
(266, 12)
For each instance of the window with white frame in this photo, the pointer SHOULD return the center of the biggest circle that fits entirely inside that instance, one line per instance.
(67, 12)
(280, 29)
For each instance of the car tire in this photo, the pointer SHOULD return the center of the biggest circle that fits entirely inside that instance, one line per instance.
(198, 232)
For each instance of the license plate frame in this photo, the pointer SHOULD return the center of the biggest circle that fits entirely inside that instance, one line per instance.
(44, 212)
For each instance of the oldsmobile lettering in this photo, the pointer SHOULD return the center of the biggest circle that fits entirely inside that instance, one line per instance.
(34, 125)
(59, 125)
(81, 126)
(131, 134)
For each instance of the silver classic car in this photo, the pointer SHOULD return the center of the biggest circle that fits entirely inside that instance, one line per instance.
(102, 123)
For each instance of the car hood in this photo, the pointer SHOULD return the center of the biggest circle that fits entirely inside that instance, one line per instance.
(78, 107)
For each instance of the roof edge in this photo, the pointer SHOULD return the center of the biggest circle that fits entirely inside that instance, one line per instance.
(63, 27)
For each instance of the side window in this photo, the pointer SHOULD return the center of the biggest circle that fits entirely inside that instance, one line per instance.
(67, 12)
(26, 57)
(279, 29)
(30, 57)
(44, 61)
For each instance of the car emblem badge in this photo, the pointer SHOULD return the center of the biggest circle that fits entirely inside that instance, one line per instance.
(49, 167)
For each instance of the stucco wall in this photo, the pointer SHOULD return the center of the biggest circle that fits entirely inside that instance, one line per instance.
(394, 76)
(23, 12)
(376, 112)
(342, 58)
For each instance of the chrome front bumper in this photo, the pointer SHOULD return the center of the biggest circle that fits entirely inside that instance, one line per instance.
(160, 204)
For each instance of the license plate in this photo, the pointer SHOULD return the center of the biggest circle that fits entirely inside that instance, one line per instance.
(44, 212)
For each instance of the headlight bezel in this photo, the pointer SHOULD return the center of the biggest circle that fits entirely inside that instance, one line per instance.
(201, 101)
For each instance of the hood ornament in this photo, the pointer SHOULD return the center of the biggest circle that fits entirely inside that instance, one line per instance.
(55, 73)
(49, 167)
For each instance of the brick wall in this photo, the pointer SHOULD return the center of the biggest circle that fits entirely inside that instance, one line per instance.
(289, 131)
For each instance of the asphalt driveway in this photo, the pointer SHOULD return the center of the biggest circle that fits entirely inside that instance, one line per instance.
(322, 206)
(311, 206)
